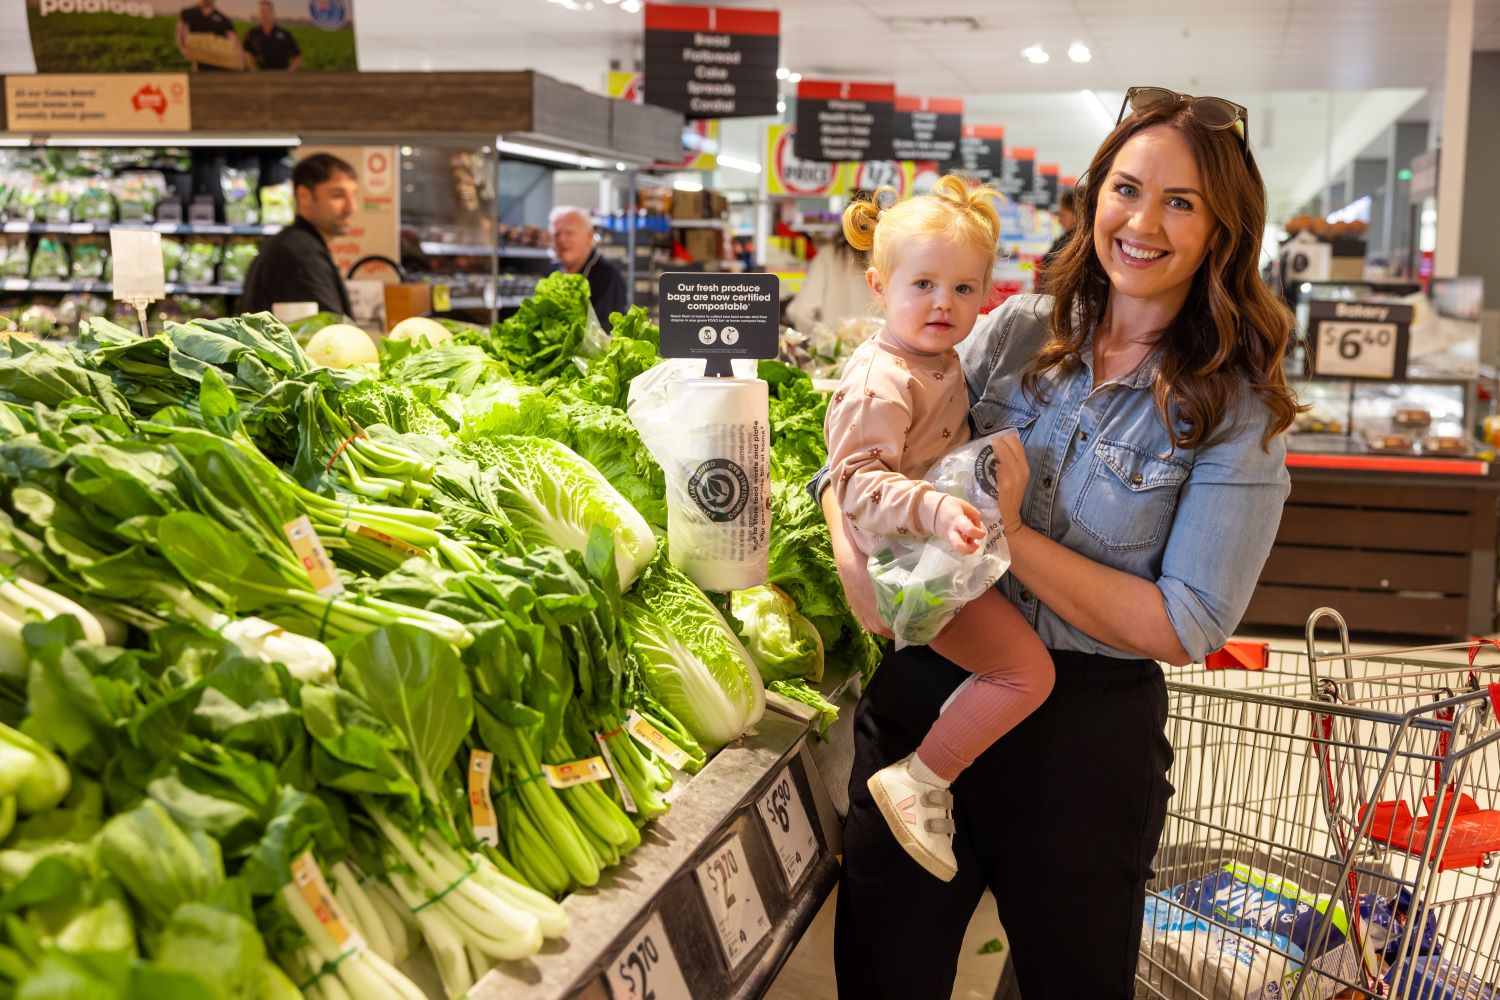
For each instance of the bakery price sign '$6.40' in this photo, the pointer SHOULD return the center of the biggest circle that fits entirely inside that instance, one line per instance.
(1359, 339)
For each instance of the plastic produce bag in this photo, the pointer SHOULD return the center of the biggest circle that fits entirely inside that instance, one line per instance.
(278, 207)
(921, 585)
(711, 436)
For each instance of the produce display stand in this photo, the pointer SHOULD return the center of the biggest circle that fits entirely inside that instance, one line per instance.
(761, 793)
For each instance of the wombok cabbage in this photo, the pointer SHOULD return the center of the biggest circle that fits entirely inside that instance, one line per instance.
(783, 643)
(692, 661)
(554, 497)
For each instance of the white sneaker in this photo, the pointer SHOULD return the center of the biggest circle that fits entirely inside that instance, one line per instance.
(919, 814)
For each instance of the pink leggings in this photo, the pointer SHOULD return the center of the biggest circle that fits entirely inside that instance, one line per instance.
(1012, 677)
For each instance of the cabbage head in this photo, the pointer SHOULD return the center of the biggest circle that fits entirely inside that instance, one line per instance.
(691, 660)
(554, 497)
(782, 642)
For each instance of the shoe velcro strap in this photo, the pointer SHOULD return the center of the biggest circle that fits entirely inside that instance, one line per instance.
(939, 798)
(939, 826)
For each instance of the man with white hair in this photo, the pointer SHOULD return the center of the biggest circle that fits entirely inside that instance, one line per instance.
(577, 252)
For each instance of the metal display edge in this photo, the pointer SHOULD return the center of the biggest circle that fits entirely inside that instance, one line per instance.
(711, 801)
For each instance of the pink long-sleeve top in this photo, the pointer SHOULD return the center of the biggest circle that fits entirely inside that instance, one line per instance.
(894, 414)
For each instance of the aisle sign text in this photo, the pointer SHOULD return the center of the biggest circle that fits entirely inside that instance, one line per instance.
(1016, 180)
(739, 915)
(712, 62)
(981, 152)
(1047, 185)
(646, 969)
(842, 121)
(1359, 339)
(116, 102)
(785, 817)
(927, 128)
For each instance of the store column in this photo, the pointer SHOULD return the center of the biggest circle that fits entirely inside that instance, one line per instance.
(1479, 237)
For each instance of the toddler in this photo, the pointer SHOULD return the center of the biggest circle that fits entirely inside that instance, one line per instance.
(901, 405)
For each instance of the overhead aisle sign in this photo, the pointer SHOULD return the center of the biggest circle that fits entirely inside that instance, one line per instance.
(927, 128)
(700, 137)
(1047, 184)
(1020, 172)
(981, 152)
(712, 62)
(838, 120)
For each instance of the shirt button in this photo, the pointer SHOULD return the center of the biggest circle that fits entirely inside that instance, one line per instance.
(1135, 479)
(1047, 482)
(1026, 596)
(1083, 435)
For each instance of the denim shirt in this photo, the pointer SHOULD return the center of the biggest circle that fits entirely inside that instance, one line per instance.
(1106, 482)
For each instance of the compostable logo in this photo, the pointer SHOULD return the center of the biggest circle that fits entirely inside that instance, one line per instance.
(984, 472)
(720, 488)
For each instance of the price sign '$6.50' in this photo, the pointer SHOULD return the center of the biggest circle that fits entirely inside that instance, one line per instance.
(647, 969)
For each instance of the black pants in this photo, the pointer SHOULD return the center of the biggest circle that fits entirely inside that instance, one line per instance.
(1059, 819)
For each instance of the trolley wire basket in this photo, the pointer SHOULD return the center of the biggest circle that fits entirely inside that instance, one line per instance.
(1335, 830)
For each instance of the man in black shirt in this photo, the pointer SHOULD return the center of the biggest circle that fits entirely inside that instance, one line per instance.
(573, 244)
(269, 45)
(295, 265)
(205, 18)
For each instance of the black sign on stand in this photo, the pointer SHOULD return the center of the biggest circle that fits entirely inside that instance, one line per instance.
(1047, 184)
(719, 317)
(712, 62)
(1016, 181)
(981, 152)
(927, 128)
(837, 120)
(1359, 339)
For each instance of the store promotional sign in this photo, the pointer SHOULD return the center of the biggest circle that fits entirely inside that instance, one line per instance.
(927, 128)
(700, 136)
(376, 227)
(719, 317)
(906, 177)
(713, 62)
(133, 102)
(838, 120)
(1359, 339)
(789, 175)
(981, 152)
(1018, 175)
(141, 36)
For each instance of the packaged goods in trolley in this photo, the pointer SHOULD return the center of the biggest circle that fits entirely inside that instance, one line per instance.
(711, 437)
(1335, 830)
(921, 585)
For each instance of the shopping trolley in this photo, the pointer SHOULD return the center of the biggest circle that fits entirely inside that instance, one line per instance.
(1335, 830)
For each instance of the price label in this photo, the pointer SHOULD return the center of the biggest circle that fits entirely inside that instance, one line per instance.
(656, 741)
(442, 300)
(139, 269)
(81, 227)
(729, 888)
(17, 227)
(396, 545)
(1365, 350)
(646, 969)
(626, 799)
(1359, 339)
(785, 816)
(308, 548)
(578, 772)
(308, 879)
(481, 806)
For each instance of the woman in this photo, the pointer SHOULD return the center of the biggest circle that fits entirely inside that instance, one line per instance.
(1139, 505)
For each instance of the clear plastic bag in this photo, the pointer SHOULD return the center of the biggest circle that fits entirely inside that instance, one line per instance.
(921, 585)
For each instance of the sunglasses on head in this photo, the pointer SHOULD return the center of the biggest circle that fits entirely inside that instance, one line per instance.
(1210, 112)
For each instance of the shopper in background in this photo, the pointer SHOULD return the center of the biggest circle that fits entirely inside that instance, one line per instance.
(270, 46)
(1139, 503)
(295, 265)
(833, 291)
(576, 246)
(1066, 218)
(205, 18)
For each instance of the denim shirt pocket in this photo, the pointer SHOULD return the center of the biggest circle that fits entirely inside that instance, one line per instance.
(1130, 495)
(996, 411)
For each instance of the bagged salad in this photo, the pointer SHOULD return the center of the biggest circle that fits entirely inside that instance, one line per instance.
(199, 258)
(278, 206)
(240, 205)
(921, 585)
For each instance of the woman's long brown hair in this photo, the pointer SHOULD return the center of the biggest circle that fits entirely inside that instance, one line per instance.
(1232, 330)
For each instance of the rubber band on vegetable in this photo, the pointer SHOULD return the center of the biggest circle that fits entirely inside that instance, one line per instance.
(323, 622)
(328, 968)
(611, 734)
(347, 442)
(524, 781)
(439, 897)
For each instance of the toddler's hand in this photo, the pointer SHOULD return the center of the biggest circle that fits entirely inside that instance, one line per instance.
(958, 523)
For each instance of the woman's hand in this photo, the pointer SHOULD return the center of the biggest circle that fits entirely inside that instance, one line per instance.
(1011, 474)
(853, 569)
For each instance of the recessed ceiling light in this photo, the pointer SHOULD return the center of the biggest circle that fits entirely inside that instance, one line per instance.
(782, 72)
(1035, 53)
(1079, 52)
(631, 6)
(794, 78)
(780, 106)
